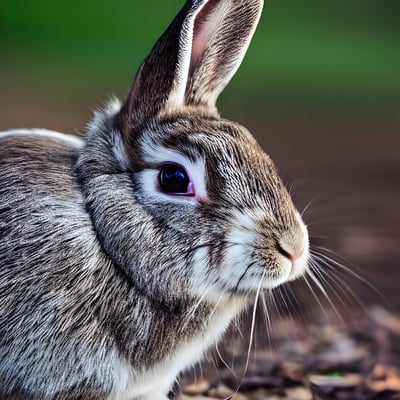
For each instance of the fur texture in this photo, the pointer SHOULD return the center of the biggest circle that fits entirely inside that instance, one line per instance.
(110, 286)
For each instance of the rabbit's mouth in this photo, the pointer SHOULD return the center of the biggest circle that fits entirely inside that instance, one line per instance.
(299, 266)
(252, 260)
(279, 256)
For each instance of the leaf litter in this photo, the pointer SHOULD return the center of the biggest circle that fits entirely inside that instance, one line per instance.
(358, 360)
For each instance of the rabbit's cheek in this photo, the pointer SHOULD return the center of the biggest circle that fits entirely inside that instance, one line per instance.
(119, 151)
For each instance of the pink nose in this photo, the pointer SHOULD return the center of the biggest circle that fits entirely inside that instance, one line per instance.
(290, 253)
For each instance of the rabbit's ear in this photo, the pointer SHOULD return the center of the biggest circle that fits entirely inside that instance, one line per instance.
(221, 35)
(193, 60)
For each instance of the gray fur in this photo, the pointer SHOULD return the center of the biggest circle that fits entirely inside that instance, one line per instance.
(109, 288)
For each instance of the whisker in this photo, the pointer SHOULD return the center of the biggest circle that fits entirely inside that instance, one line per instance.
(323, 275)
(323, 291)
(275, 303)
(238, 328)
(290, 189)
(293, 301)
(318, 237)
(339, 284)
(243, 275)
(223, 293)
(225, 363)
(253, 321)
(267, 319)
(199, 246)
(196, 306)
(309, 204)
(286, 300)
(316, 222)
(252, 330)
(315, 295)
(330, 262)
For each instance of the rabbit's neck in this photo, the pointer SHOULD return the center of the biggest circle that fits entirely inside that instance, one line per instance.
(184, 355)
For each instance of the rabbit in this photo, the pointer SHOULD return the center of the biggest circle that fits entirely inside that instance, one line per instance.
(126, 254)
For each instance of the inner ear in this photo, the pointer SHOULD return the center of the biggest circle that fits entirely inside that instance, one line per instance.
(204, 26)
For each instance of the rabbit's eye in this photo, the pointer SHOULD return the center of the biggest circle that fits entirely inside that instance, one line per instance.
(174, 179)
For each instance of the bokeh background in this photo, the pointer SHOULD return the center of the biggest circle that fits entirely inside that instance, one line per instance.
(319, 88)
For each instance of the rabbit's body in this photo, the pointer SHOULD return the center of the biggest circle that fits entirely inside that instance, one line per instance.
(126, 254)
(76, 311)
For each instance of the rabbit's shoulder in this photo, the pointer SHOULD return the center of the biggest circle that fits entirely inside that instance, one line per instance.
(52, 269)
(41, 204)
(36, 162)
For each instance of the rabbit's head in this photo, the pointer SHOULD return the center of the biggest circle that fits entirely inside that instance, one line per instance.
(184, 201)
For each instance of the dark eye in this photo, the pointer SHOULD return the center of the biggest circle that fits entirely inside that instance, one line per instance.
(174, 180)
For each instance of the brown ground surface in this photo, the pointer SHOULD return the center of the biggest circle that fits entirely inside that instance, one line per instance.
(324, 361)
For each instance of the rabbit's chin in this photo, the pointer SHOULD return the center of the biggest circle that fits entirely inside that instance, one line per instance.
(267, 279)
(246, 282)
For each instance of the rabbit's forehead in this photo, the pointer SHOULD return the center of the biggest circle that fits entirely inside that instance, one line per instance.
(215, 143)
(222, 148)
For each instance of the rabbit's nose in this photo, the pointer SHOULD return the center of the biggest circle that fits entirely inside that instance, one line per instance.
(291, 252)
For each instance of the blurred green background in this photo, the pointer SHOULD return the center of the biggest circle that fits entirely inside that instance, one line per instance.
(310, 60)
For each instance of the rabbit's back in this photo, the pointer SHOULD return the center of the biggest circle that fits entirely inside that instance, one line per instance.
(52, 271)
(37, 161)
(40, 198)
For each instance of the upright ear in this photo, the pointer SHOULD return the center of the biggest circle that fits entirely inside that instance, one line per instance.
(193, 60)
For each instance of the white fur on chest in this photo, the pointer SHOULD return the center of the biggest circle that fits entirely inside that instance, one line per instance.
(155, 383)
